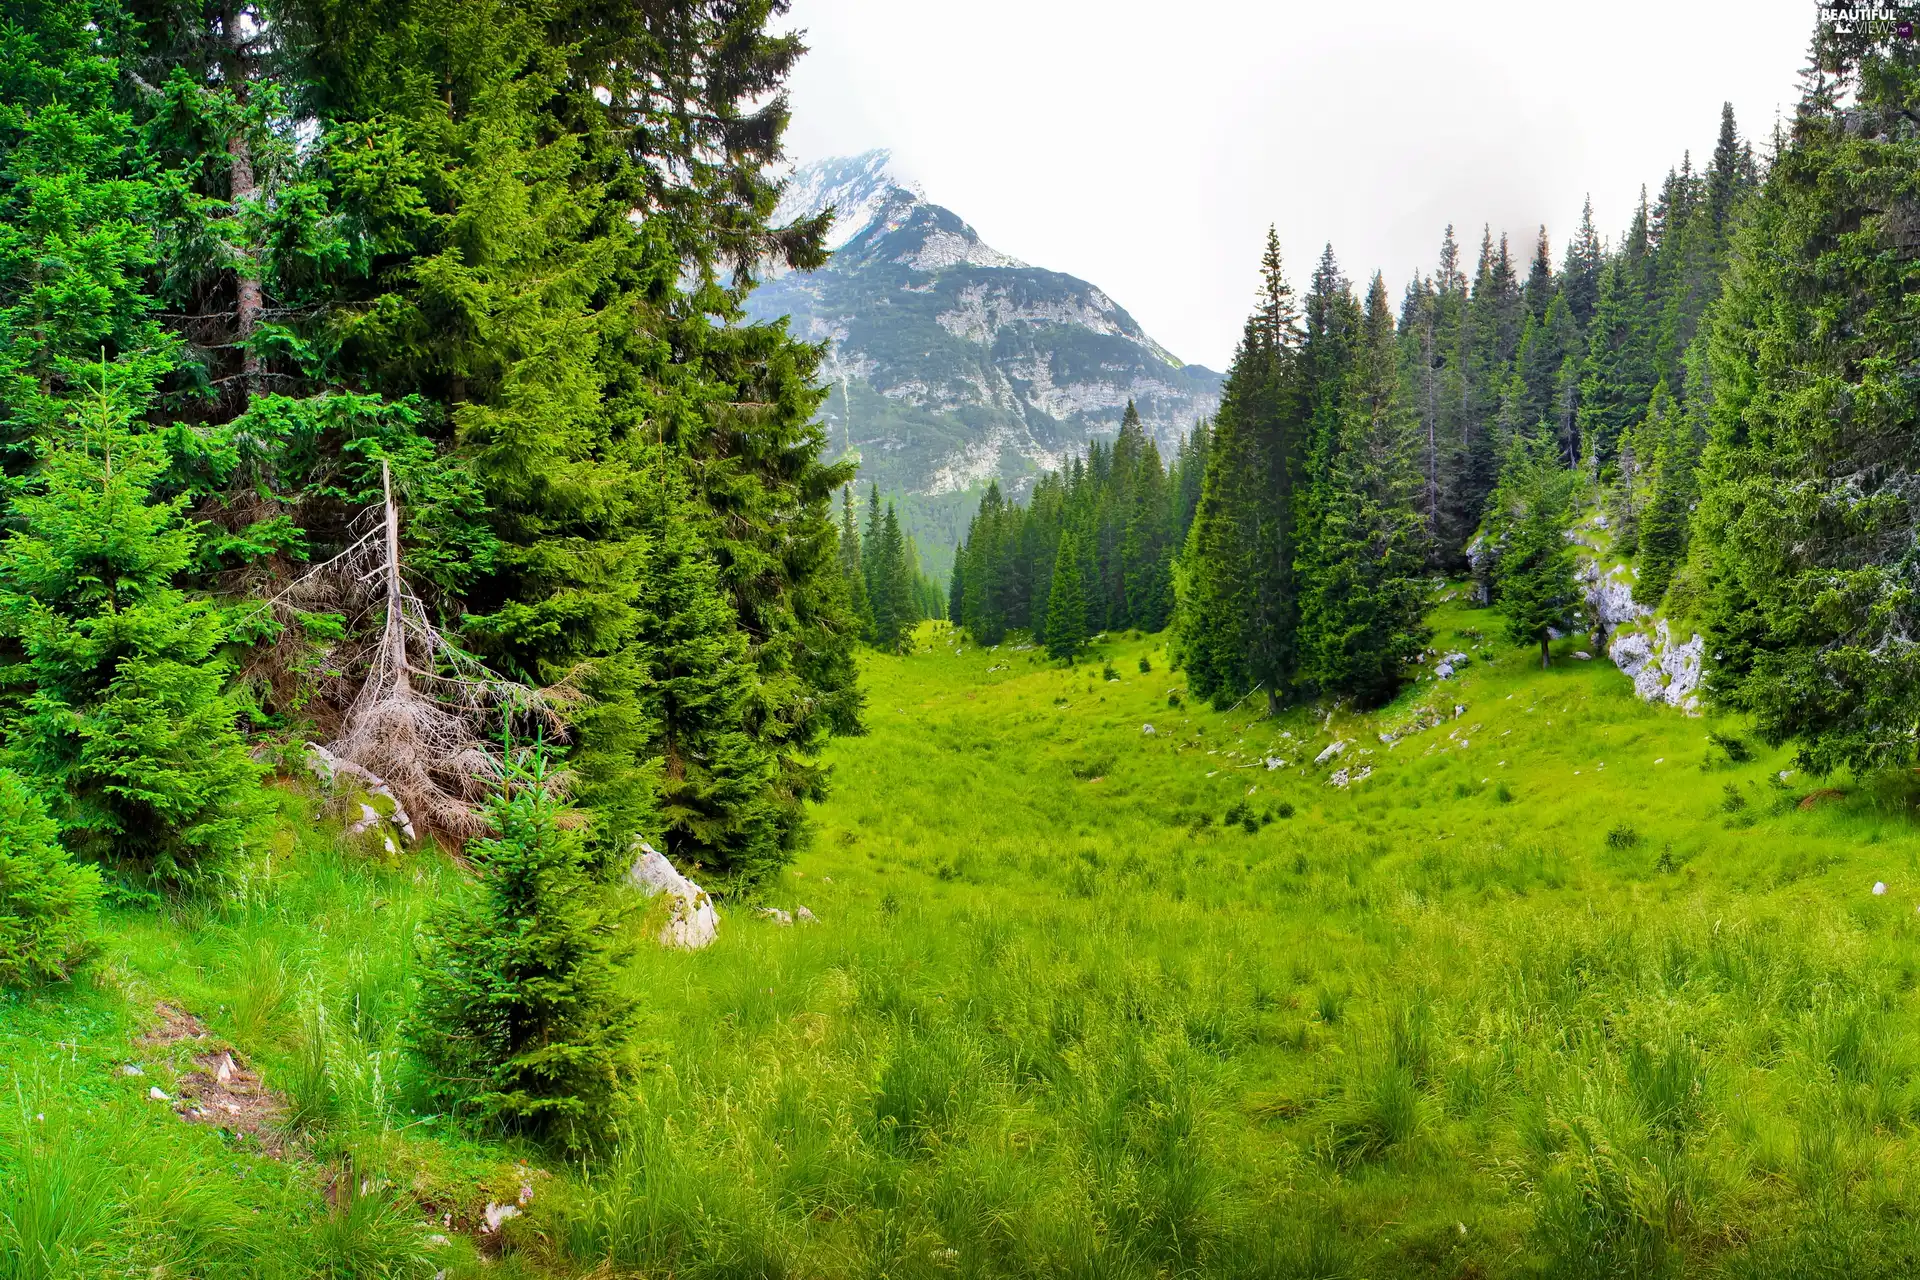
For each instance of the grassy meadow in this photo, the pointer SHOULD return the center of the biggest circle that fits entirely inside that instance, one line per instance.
(1560, 987)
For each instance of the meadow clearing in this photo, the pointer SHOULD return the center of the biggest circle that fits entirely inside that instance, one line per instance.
(1560, 987)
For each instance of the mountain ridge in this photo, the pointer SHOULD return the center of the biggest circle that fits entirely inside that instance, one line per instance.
(952, 363)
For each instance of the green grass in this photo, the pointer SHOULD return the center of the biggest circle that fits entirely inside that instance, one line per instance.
(1559, 989)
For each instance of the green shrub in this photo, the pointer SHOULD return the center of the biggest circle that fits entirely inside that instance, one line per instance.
(48, 903)
(1735, 748)
(1622, 836)
(1731, 799)
(1146, 664)
(519, 1019)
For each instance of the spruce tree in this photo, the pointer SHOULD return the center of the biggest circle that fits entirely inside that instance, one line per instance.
(1807, 499)
(1538, 590)
(859, 609)
(126, 721)
(48, 903)
(718, 805)
(520, 1019)
(1362, 617)
(1067, 629)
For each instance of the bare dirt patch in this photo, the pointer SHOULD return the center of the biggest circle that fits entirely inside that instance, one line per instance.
(221, 1090)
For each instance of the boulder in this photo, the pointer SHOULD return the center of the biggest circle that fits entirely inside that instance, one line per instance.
(376, 803)
(1661, 669)
(692, 922)
(1332, 751)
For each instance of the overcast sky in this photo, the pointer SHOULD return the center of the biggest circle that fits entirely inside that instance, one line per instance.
(1146, 146)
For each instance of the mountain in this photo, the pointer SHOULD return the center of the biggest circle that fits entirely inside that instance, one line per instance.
(953, 363)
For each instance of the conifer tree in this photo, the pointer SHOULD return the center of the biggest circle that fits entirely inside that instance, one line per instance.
(1363, 614)
(519, 1017)
(1580, 272)
(718, 804)
(1535, 575)
(1807, 505)
(126, 721)
(851, 569)
(1663, 522)
(1067, 629)
(48, 903)
(1618, 377)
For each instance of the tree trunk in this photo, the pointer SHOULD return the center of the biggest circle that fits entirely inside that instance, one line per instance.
(1543, 651)
(242, 189)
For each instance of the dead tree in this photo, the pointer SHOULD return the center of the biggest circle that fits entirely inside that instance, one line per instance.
(428, 718)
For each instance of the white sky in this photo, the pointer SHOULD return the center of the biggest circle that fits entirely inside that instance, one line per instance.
(1146, 146)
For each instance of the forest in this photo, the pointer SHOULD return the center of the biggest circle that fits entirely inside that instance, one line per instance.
(482, 792)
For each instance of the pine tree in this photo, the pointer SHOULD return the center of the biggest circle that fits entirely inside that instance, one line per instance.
(1362, 618)
(520, 1019)
(127, 722)
(1806, 510)
(1618, 376)
(1538, 589)
(1580, 272)
(1668, 448)
(718, 804)
(48, 903)
(859, 609)
(1067, 629)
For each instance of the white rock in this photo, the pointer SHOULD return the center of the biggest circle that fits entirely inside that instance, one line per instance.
(805, 916)
(1879, 888)
(1275, 762)
(776, 915)
(1332, 751)
(224, 1072)
(1147, 730)
(692, 922)
(131, 1070)
(1338, 780)
(497, 1214)
(1582, 655)
(328, 768)
(157, 1094)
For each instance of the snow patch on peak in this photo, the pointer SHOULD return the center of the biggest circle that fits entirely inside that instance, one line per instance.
(859, 188)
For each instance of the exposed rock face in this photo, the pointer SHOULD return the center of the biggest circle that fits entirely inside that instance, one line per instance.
(692, 922)
(1661, 668)
(952, 363)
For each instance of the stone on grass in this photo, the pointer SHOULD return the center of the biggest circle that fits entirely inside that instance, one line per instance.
(692, 922)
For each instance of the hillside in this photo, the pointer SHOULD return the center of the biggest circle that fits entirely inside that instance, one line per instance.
(1551, 986)
(953, 363)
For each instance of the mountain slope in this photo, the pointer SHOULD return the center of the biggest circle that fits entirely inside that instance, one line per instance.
(953, 363)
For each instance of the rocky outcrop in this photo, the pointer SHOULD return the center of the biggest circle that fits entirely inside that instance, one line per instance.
(1662, 669)
(692, 922)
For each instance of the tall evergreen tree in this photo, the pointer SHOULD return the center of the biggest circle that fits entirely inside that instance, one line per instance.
(1363, 613)
(1807, 510)
(1535, 575)
(1067, 630)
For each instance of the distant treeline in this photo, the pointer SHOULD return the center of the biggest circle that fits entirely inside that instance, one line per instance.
(1359, 452)
(888, 590)
(1728, 392)
(1093, 549)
